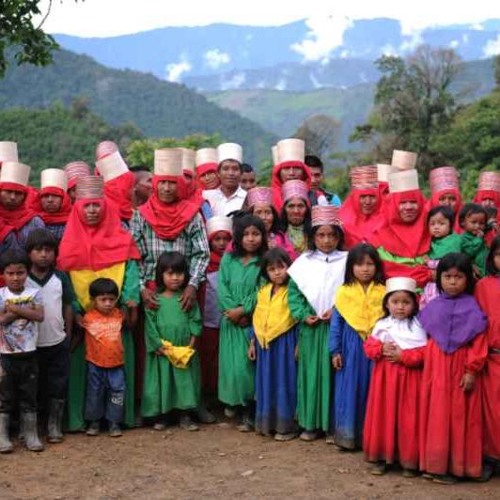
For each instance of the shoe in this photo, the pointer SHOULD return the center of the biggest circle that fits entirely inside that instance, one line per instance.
(379, 469)
(114, 430)
(308, 435)
(33, 443)
(94, 428)
(408, 473)
(54, 424)
(205, 416)
(286, 437)
(428, 476)
(444, 479)
(187, 423)
(330, 439)
(159, 426)
(5, 444)
(229, 412)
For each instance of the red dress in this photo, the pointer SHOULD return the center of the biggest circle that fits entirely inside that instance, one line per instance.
(450, 419)
(488, 296)
(391, 423)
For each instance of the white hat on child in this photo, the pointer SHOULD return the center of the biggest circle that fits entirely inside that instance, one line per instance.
(400, 284)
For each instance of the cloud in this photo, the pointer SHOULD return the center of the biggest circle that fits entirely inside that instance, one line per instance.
(388, 50)
(412, 42)
(175, 70)
(235, 82)
(325, 34)
(214, 58)
(281, 85)
(454, 44)
(492, 47)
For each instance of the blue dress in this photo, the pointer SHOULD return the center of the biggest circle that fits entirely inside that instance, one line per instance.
(351, 384)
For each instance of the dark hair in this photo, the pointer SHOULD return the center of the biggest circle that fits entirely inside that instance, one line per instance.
(13, 257)
(456, 260)
(336, 229)
(174, 262)
(246, 168)
(276, 225)
(103, 286)
(230, 159)
(414, 311)
(445, 211)
(356, 256)
(490, 264)
(471, 209)
(139, 168)
(307, 218)
(276, 255)
(242, 223)
(39, 238)
(313, 161)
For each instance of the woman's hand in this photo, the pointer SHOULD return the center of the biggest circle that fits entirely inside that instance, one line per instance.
(311, 320)
(251, 351)
(337, 361)
(188, 298)
(234, 315)
(467, 382)
(149, 298)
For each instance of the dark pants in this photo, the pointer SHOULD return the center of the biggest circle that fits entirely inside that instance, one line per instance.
(105, 393)
(53, 366)
(19, 383)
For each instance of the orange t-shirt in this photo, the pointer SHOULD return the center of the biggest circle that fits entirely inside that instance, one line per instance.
(103, 338)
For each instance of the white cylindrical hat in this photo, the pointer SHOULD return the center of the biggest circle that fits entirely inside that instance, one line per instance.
(274, 154)
(8, 152)
(111, 166)
(383, 171)
(188, 159)
(206, 155)
(229, 151)
(406, 180)
(53, 177)
(168, 161)
(15, 173)
(404, 160)
(291, 150)
(400, 284)
(219, 223)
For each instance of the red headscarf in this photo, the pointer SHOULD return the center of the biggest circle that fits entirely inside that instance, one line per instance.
(216, 255)
(276, 182)
(5, 230)
(95, 247)
(169, 220)
(434, 202)
(119, 192)
(20, 216)
(203, 169)
(61, 217)
(488, 195)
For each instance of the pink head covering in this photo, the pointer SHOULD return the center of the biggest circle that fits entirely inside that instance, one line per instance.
(259, 196)
(75, 170)
(443, 178)
(325, 216)
(295, 189)
(104, 149)
(365, 177)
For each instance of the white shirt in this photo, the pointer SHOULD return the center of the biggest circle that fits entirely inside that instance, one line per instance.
(222, 205)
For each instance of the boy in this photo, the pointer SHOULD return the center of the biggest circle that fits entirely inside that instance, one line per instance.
(472, 219)
(248, 179)
(53, 345)
(21, 310)
(105, 359)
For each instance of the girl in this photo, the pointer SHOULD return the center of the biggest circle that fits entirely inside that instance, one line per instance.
(472, 219)
(397, 346)
(358, 305)
(488, 296)
(167, 384)
(236, 293)
(316, 275)
(276, 335)
(450, 411)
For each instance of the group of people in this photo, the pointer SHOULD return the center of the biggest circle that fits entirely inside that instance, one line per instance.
(131, 296)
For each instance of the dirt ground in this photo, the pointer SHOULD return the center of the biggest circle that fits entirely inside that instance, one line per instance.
(217, 461)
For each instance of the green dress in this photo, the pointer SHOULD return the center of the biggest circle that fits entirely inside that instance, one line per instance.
(78, 367)
(166, 387)
(475, 247)
(442, 246)
(236, 286)
(314, 376)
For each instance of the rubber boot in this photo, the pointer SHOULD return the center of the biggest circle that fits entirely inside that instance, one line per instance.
(5, 444)
(54, 425)
(33, 443)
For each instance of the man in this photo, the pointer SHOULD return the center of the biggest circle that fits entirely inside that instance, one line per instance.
(317, 192)
(143, 185)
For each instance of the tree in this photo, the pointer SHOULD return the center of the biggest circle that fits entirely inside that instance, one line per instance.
(319, 133)
(497, 70)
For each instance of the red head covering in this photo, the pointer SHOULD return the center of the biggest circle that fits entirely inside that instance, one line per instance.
(276, 182)
(119, 192)
(205, 169)
(95, 247)
(60, 217)
(488, 195)
(20, 216)
(169, 220)
(434, 202)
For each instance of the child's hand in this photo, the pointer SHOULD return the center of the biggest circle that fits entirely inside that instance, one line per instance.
(326, 316)
(234, 315)
(193, 341)
(337, 361)
(394, 353)
(467, 382)
(476, 272)
(251, 351)
(387, 349)
(244, 322)
(426, 259)
(311, 320)
(79, 320)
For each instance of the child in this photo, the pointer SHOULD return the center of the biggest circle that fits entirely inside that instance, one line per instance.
(358, 305)
(440, 223)
(105, 359)
(21, 309)
(450, 410)
(236, 293)
(172, 372)
(472, 219)
(276, 335)
(316, 275)
(397, 346)
(55, 330)
(488, 295)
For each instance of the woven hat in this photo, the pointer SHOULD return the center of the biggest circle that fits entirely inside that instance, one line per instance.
(443, 178)
(405, 180)
(75, 170)
(89, 186)
(294, 188)
(15, 173)
(188, 159)
(259, 196)
(274, 154)
(365, 177)
(205, 156)
(229, 151)
(104, 149)
(53, 177)
(290, 150)
(399, 284)
(168, 161)
(219, 223)
(404, 160)
(383, 171)
(489, 181)
(8, 152)
(325, 215)
(111, 166)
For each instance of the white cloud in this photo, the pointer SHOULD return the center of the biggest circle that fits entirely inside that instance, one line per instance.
(388, 50)
(477, 27)
(315, 82)
(214, 58)
(175, 70)
(281, 85)
(465, 38)
(492, 47)
(235, 82)
(454, 44)
(413, 42)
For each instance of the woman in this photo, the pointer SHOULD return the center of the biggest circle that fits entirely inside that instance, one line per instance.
(445, 191)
